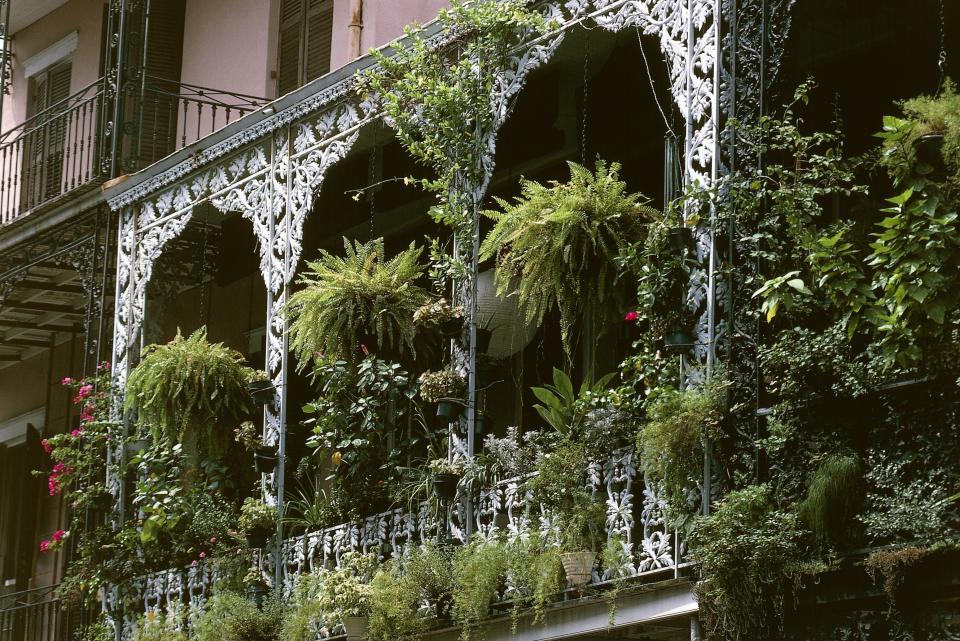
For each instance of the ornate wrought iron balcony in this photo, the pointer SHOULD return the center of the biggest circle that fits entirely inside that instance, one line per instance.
(65, 149)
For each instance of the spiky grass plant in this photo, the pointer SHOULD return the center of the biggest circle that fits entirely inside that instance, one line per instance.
(834, 497)
(191, 391)
(355, 296)
(557, 245)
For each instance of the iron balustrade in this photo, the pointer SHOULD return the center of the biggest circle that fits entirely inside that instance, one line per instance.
(35, 615)
(62, 150)
(51, 153)
(177, 114)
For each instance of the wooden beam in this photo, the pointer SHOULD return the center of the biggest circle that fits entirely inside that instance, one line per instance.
(43, 327)
(9, 358)
(50, 287)
(34, 306)
(23, 342)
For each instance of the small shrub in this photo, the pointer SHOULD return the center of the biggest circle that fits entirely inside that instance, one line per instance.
(160, 626)
(671, 444)
(750, 554)
(834, 497)
(478, 572)
(891, 568)
(231, 617)
(536, 575)
(257, 515)
(394, 604)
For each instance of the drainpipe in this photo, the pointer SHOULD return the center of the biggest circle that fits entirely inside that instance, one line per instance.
(356, 28)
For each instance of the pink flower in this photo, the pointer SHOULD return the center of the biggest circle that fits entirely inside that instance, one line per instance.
(363, 348)
(194, 562)
(203, 555)
(213, 539)
(104, 366)
(631, 317)
(53, 486)
(66, 381)
(86, 414)
(44, 545)
(59, 468)
(45, 444)
(58, 536)
(82, 393)
(75, 433)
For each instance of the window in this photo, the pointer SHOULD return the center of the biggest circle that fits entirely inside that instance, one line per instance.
(44, 148)
(306, 32)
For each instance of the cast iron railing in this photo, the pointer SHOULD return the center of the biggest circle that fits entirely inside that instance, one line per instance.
(62, 150)
(33, 615)
(634, 516)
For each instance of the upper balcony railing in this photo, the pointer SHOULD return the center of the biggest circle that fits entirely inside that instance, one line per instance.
(36, 615)
(61, 151)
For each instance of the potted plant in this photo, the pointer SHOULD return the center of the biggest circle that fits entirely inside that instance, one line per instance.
(677, 338)
(258, 521)
(264, 456)
(558, 246)
(560, 488)
(261, 388)
(439, 316)
(191, 391)
(926, 141)
(343, 594)
(357, 301)
(445, 476)
(445, 388)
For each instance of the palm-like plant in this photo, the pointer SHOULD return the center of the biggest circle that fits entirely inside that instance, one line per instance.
(191, 391)
(556, 246)
(563, 409)
(356, 297)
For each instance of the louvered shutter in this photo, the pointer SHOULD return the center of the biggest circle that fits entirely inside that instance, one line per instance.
(164, 60)
(58, 82)
(291, 27)
(319, 39)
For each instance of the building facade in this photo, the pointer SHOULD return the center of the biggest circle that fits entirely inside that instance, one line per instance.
(170, 166)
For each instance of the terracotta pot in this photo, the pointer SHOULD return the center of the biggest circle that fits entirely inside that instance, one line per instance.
(578, 567)
(355, 627)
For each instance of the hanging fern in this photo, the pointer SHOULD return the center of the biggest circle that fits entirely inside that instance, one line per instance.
(557, 245)
(191, 391)
(351, 299)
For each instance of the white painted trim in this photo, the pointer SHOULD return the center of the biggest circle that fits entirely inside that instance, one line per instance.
(13, 431)
(50, 56)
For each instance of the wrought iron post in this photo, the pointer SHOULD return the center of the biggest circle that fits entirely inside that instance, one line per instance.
(5, 53)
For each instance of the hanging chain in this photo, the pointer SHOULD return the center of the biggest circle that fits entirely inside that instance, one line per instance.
(372, 179)
(203, 278)
(586, 101)
(942, 57)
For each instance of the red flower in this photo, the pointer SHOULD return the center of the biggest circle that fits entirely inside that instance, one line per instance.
(44, 545)
(58, 536)
(104, 366)
(75, 433)
(631, 317)
(45, 444)
(66, 381)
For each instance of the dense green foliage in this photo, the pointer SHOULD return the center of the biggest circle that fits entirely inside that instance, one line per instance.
(361, 300)
(558, 246)
(834, 497)
(671, 444)
(191, 391)
(478, 571)
(231, 617)
(750, 553)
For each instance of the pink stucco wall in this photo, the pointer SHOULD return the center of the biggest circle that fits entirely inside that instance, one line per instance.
(383, 21)
(231, 45)
(82, 16)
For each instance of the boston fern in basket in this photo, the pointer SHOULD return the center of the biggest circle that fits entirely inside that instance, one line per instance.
(191, 391)
(557, 246)
(356, 299)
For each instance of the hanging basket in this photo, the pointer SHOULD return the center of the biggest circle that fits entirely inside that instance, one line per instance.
(445, 486)
(261, 391)
(680, 238)
(929, 150)
(448, 410)
(678, 340)
(265, 459)
(257, 538)
(578, 567)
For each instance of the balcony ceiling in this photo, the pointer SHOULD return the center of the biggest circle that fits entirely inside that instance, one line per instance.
(43, 309)
(23, 13)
